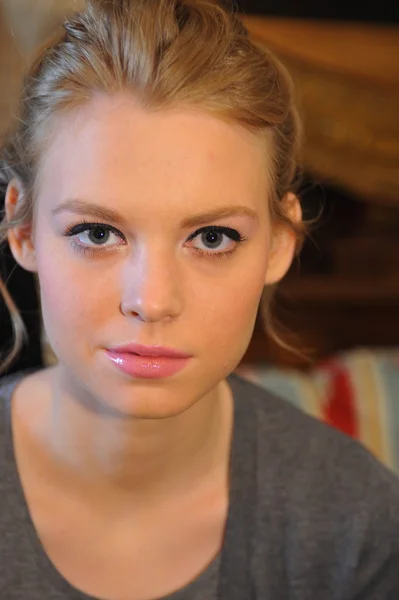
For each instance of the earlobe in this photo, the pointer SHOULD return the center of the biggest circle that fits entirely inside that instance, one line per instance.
(19, 237)
(284, 242)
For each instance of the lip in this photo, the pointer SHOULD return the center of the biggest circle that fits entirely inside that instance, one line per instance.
(146, 367)
(149, 351)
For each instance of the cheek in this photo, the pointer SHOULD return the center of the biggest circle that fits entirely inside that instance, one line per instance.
(62, 304)
(73, 299)
(229, 313)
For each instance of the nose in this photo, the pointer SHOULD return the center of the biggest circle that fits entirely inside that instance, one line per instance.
(152, 287)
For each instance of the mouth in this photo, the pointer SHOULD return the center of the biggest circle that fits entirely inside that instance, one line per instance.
(147, 366)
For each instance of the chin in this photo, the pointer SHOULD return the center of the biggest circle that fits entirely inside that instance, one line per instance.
(155, 403)
(106, 391)
(140, 398)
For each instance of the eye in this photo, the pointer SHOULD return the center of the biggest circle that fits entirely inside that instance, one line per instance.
(90, 235)
(217, 240)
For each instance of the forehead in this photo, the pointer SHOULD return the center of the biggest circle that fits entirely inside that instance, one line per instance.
(113, 148)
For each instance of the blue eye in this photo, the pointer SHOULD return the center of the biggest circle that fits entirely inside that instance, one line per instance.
(89, 238)
(220, 242)
(92, 237)
(98, 236)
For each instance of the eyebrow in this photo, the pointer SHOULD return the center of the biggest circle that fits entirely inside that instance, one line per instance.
(108, 214)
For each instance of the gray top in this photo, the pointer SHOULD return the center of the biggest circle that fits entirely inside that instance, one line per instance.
(312, 515)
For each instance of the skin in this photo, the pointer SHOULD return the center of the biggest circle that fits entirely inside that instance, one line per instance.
(110, 440)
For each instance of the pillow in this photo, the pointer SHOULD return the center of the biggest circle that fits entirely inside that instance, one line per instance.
(356, 391)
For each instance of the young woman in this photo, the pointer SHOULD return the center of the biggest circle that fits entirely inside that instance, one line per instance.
(148, 183)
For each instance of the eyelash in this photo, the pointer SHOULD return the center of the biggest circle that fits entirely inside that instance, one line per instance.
(89, 226)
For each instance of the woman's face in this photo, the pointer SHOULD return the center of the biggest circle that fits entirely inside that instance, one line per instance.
(119, 261)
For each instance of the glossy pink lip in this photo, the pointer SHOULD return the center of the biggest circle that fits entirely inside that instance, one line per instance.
(148, 362)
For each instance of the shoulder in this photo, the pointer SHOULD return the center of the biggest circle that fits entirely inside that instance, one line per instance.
(296, 443)
(335, 507)
(8, 383)
(29, 380)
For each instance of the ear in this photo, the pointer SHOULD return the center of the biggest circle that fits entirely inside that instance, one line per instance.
(283, 242)
(19, 237)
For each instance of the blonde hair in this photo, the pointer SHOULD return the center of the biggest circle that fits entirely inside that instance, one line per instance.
(168, 53)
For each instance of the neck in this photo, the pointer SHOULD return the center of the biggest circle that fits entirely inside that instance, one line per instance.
(118, 458)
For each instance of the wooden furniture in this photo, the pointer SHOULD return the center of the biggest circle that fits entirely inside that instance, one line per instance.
(347, 83)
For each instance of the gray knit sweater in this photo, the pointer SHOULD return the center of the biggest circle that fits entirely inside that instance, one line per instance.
(312, 515)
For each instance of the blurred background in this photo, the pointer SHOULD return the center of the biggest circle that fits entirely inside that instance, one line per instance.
(344, 58)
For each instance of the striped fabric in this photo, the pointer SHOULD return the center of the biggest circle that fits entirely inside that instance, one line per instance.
(356, 392)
